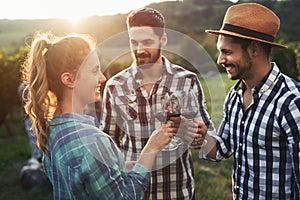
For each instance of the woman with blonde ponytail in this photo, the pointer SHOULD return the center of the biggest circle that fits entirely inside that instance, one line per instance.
(63, 75)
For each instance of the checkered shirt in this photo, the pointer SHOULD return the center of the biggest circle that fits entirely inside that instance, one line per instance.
(264, 140)
(85, 163)
(128, 118)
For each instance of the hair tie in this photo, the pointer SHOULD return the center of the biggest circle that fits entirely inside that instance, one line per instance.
(44, 51)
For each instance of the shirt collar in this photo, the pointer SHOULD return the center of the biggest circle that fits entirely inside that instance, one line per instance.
(268, 80)
(265, 84)
(71, 117)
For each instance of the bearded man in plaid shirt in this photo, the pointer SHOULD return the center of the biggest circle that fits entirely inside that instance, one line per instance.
(130, 95)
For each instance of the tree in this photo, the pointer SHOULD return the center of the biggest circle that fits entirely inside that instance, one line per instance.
(10, 77)
(287, 61)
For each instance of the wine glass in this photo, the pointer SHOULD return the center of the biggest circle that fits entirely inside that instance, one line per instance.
(190, 110)
(160, 111)
(174, 110)
(190, 105)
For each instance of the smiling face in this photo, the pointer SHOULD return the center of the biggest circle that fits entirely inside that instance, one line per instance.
(234, 58)
(146, 46)
(88, 81)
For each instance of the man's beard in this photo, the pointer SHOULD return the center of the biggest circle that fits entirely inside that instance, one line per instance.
(151, 59)
(242, 70)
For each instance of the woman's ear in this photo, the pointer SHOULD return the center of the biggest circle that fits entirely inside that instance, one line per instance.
(68, 79)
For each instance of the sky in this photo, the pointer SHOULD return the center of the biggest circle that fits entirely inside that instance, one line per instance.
(69, 9)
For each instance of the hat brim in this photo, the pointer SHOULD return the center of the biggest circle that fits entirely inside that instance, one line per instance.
(224, 32)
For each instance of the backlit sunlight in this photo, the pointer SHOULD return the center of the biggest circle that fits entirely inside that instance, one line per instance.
(73, 10)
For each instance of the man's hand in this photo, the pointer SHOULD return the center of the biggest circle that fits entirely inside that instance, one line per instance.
(193, 132)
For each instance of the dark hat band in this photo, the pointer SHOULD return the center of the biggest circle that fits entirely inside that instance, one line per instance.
(248, 32)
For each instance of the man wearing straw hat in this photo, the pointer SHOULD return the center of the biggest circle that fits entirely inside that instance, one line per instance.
(261, 124)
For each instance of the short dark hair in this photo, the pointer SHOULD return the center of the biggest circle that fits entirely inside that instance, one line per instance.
(246, 42)
(147, 17)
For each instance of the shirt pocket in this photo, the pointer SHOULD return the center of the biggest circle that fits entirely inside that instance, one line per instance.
(127, 107)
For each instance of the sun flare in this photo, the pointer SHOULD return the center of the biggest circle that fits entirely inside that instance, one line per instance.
(71, 10)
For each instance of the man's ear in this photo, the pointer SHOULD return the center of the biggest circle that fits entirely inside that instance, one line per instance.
(254, 48)
(68, 79)
(164, 40)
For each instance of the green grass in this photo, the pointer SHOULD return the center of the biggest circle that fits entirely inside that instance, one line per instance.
(14, 152)
(212, 180)
(215, 89)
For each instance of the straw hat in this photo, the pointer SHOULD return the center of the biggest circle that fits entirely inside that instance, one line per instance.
(251, 21)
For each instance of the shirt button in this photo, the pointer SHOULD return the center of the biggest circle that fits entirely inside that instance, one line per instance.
(236, 187)
(241, 144)
(243, 122)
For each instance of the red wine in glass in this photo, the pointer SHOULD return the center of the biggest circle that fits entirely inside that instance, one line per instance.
(172, 114)
(164, 116)
(161, 116)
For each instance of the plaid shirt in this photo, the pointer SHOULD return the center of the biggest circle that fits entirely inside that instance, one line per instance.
(128, 118)
(84, 163)
(264, 140)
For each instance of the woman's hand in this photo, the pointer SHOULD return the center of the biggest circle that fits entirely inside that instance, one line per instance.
(160, 138)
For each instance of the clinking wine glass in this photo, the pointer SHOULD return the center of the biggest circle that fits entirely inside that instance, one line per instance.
(190, 109)
(162, 113)
(174, 110)
(190, 105)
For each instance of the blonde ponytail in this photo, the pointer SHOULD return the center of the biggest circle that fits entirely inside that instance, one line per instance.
(39, 99)
(47, 59)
